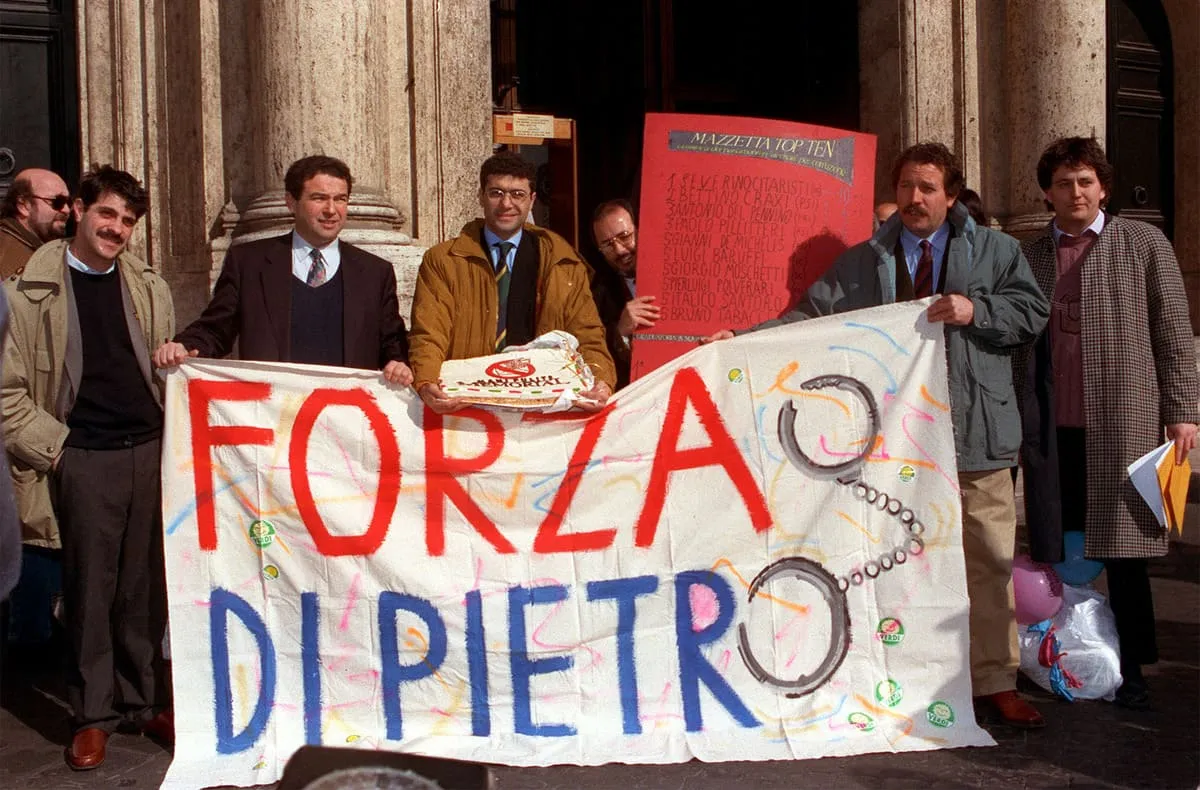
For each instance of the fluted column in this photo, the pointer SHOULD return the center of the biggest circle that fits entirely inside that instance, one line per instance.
(1056, 63)
(318, 89)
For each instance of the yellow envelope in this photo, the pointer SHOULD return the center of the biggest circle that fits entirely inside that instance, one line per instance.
(1173, 481)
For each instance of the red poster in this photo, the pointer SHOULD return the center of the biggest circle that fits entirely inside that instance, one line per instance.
(738, 217)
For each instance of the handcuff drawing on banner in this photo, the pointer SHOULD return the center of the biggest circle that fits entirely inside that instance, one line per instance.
(833, 588)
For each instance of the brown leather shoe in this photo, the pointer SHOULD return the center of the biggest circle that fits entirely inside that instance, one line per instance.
(87, 749)
(161, 728)
(1014, 711)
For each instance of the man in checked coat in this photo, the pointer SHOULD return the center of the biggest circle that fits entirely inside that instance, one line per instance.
(1115, 368)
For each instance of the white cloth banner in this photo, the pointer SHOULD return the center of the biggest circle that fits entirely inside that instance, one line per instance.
(752, 554)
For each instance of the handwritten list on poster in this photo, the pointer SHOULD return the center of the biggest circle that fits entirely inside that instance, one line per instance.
(738, 217)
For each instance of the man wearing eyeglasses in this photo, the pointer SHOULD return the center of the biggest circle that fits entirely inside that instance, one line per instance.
(614, 287)
(34, 211)
(306, 296)
(502, 283)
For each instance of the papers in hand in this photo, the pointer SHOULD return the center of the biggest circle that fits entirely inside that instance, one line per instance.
(1163, 484)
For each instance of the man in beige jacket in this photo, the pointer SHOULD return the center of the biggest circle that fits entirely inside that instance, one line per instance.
(83, 419)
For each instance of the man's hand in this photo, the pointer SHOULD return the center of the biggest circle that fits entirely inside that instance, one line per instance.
(638, 313)
(724, 334)
(396, 372)
(1184, 436)
(170, 354)
(436, 399)
(594, 399)
(954, 309)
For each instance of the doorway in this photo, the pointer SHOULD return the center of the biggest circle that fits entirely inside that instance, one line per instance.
(607, 64)
(1141, 117)
(39, 126)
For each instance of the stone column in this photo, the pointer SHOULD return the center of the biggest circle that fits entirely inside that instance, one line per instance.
(919, 80)
(1056, 65)
(315, 93)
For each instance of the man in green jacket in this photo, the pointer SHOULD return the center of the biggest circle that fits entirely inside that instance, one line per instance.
(990, 304)
(83, 420)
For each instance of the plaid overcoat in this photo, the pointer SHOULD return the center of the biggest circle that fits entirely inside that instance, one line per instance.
(1139, 374)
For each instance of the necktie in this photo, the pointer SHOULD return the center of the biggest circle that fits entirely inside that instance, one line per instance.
(923, 283)
(503, 279)
(316, 275)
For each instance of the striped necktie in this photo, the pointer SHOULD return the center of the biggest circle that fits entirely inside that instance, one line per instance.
(503, 279)
(316, 275)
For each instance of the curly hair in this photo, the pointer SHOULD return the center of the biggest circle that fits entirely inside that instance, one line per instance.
(1074, 152)
(931, 154)
(506, 163)
(106, 178)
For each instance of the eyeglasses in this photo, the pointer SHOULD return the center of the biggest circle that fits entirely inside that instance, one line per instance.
(495, 194)
(625, 237)
(58, 202)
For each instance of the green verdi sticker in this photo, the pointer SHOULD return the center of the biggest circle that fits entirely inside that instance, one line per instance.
(262, 533)
(940, 714)
(888, 692)
(861, 721)
(890, 631)
(907, 473)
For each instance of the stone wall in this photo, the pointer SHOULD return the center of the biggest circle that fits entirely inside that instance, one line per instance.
(207, 102)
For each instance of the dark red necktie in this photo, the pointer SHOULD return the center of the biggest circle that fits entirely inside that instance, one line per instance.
(923, 284)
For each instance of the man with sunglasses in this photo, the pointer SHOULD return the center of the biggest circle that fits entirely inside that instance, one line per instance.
(34, 211)
(614, 286)
(502, 283)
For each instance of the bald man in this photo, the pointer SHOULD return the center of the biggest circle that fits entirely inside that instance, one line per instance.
(34, 211)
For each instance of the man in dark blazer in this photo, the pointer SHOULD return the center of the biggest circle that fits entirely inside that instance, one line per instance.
(303, 297)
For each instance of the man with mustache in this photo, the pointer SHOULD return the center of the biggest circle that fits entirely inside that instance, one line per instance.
(502, 283)
(989, 303)
(34, 211)
(83, 419)
(305, 296)
(614, 285)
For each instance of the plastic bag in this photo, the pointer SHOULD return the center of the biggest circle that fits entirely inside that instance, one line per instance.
(1086, 661)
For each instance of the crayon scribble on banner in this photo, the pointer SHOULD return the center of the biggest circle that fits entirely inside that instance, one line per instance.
(753, 553)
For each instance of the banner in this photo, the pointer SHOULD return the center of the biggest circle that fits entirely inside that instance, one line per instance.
(738, 217)
(752, 554)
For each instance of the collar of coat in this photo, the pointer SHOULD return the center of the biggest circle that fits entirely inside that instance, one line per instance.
(552, 248)
(888, 236)
(1045, 238)
(44, 274)
(11, 226)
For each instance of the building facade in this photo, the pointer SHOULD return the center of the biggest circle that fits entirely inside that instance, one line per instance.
(208, 101)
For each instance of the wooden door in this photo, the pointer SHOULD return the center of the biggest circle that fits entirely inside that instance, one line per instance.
(39, 119)
(1141, 116)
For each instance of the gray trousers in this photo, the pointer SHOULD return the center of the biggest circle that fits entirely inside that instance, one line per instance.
(108, 504)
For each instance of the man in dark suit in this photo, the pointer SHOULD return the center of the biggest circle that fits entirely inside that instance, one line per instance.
(305, 296)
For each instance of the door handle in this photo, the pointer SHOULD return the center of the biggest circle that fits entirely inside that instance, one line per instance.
(1140, 196)
(8, 162)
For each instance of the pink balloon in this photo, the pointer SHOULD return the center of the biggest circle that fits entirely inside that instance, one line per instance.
(1037, 589)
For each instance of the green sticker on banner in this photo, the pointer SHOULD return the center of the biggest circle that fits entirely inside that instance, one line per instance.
(940, 714)
(888, 692)
(890, 631)
(861, 721)
(262, 533)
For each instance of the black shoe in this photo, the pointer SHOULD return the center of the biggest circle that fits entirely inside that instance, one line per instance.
(1134, 695)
